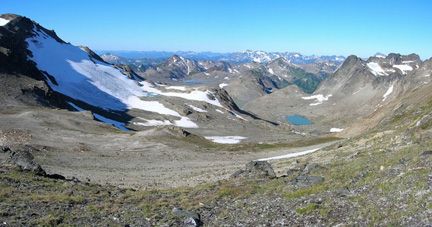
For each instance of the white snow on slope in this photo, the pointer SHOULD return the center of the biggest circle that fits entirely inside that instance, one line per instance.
(270, 70)
(77, 108)
(357, 91)
(220, 111)
(153, 122)
(114, 123)
(291, 155)
(222, 85)
(180, 88)
(197, 109)
(226, 139)
(195, 95)
(376, 69)
(3, 21)
(387, 93)
(403, 68)
(96, 83)
(319, 99)
(336, 129)
(184, 122)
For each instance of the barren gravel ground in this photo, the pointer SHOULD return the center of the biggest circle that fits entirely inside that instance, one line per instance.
(72, 144)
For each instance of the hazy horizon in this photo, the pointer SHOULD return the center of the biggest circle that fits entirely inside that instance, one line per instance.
(362, 28)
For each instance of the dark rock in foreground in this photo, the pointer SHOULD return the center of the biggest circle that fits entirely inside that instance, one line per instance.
(189, 218)
(24, 160)
(256, 169)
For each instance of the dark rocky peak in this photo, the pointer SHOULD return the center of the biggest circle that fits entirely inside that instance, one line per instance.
(175, 59)
(127, 70)
(351, 61)
(393, 58)
(281, 61)
(412, 59)
(92, 54)
(23, 27)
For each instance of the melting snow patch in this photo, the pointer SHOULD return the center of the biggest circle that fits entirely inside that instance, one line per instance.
(196, 95)
(77, 108)
(226, 78)
(226, 139)
(99, 84)
(270, 70)
(403, 68)
(387, 93)
(152, 122)
(357, 91)
(197, 109)
(220, 111)
(319, 99)
(117, 124)
(336, 129)
(181, 88)
(291, 155)
(222, 85)
(3, 21)
(376, 69)
(185, 122)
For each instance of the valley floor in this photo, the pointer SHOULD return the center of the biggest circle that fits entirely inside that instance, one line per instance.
(379, 178)
(74, 145)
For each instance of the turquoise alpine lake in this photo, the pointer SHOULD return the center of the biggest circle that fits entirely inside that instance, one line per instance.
(298, 120)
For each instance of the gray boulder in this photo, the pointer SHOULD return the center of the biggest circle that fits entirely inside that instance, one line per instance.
(256, 169)
(189, 218)
(24, 160)
(306, 180)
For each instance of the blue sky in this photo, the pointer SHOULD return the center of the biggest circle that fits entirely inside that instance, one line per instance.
(307, 26)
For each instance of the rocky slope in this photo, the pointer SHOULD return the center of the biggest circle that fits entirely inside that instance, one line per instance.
(49, 71)
(357, 90)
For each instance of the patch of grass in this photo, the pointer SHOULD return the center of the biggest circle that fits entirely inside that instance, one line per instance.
(303, 192)
(60, 198)
(307, 209)
(49, 220)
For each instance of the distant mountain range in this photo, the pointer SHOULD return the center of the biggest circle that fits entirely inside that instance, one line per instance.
(233, 57)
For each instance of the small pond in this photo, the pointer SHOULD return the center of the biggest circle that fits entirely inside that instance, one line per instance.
(298, 120)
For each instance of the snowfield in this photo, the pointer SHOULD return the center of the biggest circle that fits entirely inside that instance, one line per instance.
(222, 85)
(376, 69)
(195, 95)
(387, 93)
(319, 99)
(152, 122)
(108, 121)
(180, 88)
(226, 139)
(291, 155)
(77, 108)
(3, 21)
(336, 129)
(99, 84)
(197, 109)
